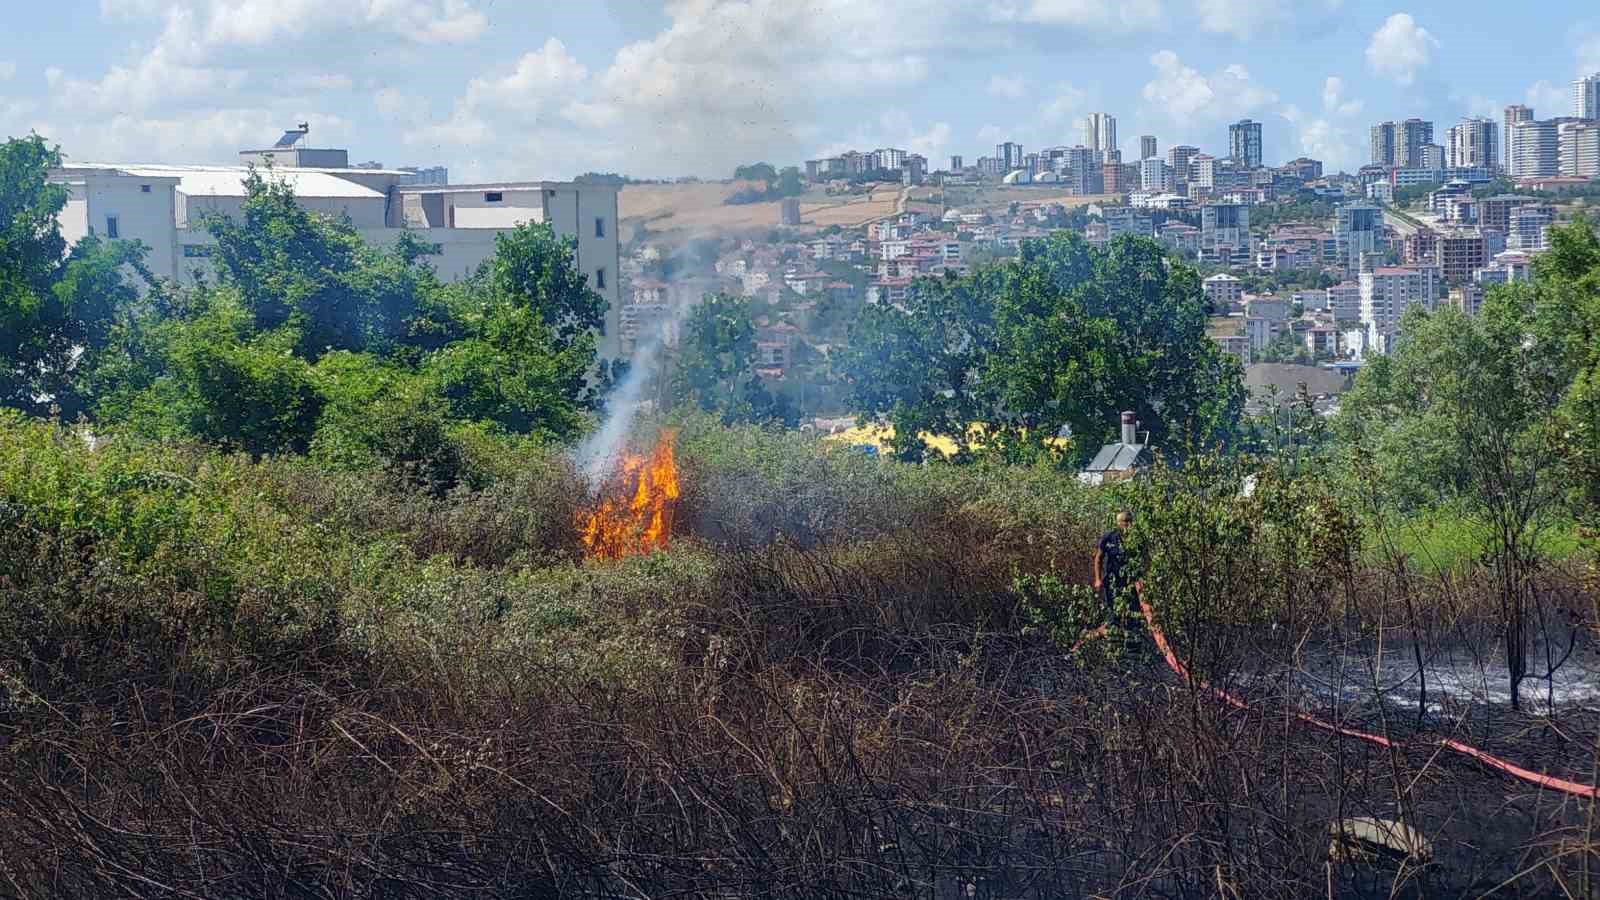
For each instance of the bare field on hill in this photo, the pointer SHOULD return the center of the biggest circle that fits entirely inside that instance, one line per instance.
(684, 211)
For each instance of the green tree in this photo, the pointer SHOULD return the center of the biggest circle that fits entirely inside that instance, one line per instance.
(763, 172)
(714, 369)
(790, 183)
(1459, 415)
(1065, 335)
(31, 249)
(917, 365)
(533, 269)
(297, 267)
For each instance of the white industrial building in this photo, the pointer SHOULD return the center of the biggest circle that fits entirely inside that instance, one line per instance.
(163, 207)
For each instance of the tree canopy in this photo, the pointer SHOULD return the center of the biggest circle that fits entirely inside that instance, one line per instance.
(1063, 336)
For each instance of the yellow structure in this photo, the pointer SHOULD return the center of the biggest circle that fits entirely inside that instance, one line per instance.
(879, 436)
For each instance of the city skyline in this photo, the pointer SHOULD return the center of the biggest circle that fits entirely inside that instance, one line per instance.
(698, 86)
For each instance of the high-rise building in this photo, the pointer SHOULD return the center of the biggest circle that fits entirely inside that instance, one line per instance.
(1081, 171)
(425, 175)
(1244, 142)
(1179, 158)
(1358, 230)
(1586, 97)
(1515, 113)
(1100, 134)
(1535, 149)
(1578, 148)
(1147, 146)
(956, 163)
(1475, 143)
(1155, 175)
(1010, 154)
(1224, 231)
(1460, 253)
(1387, 292)
(1401, 144)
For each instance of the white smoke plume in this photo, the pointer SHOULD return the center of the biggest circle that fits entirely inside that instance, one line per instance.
(598, 452)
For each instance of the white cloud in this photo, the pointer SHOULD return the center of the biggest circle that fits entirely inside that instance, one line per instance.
(537, 77)
(1011, 86)
(8, 69)
(1332, 136)
(201, 28)
(1589, 55)
(1400, 47)
(1333, 99)
(1065, 102)
(1325, 137)
(1548, 100)
(1245, 19)
(1129, 15)
(895, 128)
(1185, 96)
(216, 134)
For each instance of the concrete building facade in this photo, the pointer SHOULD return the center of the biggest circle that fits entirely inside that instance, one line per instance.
(165, 207)
(1244, 142)
(1474, 143)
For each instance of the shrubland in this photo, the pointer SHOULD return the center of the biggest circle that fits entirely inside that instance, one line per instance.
(294, 599)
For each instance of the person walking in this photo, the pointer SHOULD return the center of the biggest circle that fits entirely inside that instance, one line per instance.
(1110, 563)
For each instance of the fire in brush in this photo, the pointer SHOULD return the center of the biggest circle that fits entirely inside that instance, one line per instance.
(633, 514)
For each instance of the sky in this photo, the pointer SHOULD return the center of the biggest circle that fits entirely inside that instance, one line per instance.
(519, 89)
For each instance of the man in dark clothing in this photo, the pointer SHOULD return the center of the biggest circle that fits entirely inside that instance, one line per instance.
(1109, 562)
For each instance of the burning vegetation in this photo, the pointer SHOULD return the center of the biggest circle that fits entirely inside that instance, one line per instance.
(633, 514)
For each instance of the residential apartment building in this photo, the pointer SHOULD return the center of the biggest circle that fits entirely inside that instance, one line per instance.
(1358, 229)
(1344, 301)
(1495, 212)
(1100, 135)
(1461, 253)
(1401, 145)
(1120, 220)
(1147, 146)
(1155, 175)
(1514, 113)
(1179, 159)
(1534, 150)
(163, 206)
(1586, 97)
(1578, 149)
(1530, 227)
(1225, 232)
(1223, 290)
(1387, 292)
(957, 164)
(1010, 155)
(1244, 142)
(1474, 143)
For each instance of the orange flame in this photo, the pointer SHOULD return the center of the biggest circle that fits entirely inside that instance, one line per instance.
(634, 514)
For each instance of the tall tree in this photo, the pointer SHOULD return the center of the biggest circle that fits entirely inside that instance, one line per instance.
(714, 369)
(1460, 414)
(31, 249)
(1065, 335)
(533, 268)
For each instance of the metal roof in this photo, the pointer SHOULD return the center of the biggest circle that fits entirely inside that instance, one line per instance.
(1119, 457)
(228, 181)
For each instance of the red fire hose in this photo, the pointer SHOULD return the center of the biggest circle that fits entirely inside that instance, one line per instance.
(1560, 784)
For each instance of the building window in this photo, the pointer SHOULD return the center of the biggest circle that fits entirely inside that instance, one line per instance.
(599, 279)
(111, 228)
(144, 188)
(600, 227)
(196, 251)
(493, 197)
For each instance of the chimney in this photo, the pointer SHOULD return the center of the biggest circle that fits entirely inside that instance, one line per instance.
(1129, 423)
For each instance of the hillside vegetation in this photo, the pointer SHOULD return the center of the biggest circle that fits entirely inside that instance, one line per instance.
(296, 598)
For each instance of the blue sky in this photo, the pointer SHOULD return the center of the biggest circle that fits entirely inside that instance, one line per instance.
(522, 89)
